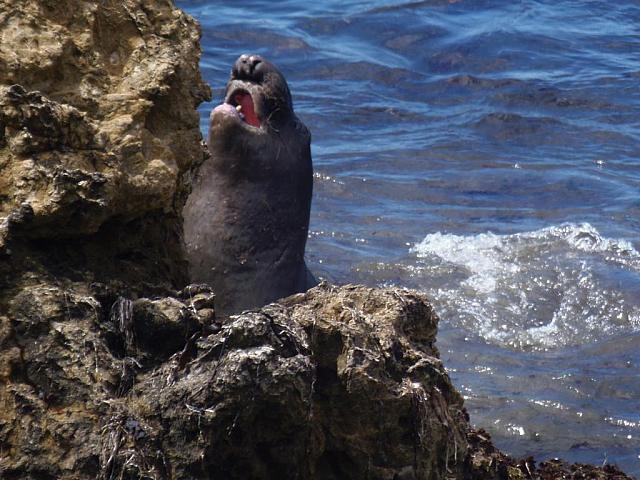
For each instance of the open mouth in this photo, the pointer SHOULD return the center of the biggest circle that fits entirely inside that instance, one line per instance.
(243, 103)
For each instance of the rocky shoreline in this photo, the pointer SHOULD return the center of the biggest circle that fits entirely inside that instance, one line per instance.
(111, 366)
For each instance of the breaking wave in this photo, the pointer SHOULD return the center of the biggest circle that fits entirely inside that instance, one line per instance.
(557, 286)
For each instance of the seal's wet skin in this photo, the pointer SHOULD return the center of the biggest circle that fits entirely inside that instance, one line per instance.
(247, 218)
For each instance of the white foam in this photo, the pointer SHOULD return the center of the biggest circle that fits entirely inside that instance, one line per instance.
(538, 289)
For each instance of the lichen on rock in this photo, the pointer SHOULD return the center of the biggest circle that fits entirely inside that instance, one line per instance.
(98, 126)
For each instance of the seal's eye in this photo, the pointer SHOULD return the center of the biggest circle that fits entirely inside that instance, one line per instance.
(244, 104)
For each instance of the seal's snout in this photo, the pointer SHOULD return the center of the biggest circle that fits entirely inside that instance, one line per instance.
(246, 68)
(259, 92)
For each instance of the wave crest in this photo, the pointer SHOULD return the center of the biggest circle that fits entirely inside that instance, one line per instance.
(557, 286)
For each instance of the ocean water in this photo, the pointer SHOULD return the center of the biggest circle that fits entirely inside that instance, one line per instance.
(488, 154)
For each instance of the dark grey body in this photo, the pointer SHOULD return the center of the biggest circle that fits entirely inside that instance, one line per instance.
(247, 219)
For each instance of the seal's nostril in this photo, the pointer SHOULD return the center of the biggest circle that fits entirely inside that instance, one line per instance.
(246, 68)
(254, 60)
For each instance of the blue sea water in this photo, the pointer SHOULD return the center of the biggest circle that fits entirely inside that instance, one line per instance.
(488, 154)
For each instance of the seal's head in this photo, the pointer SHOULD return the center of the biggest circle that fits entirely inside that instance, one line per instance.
(256, 116)
(259, 92)
(257, 97)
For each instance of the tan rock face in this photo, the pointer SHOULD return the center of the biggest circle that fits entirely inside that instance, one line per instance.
(98, 135)
(97, 114)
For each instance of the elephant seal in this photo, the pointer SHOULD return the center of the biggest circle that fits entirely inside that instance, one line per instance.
(247, 218)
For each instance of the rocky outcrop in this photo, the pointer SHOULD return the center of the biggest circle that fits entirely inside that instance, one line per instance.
(331, 384)
(98, 132)
(334, 383)
(98, 136)
(111, 366)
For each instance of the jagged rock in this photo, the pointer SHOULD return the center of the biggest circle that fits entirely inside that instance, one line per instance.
(335, 383)
(488, 463)
(98, 136)
(331, 384)
(65, 366)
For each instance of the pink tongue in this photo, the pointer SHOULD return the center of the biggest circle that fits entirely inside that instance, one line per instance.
(246, 102)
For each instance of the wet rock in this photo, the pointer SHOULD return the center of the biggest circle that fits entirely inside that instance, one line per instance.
(334, 383)
(486, 462)
(65, 368)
